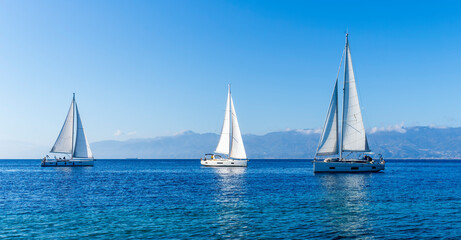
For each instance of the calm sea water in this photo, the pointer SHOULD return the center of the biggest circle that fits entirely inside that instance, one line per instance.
(179, 199)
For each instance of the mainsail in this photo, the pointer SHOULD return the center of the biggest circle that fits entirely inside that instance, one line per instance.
(354, 138)
(237, 149)
(82, 148)
(328, 144)
(231, 142)
(64, 142)
(223, 144)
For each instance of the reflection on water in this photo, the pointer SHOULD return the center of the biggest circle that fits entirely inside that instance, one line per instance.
(229, 197)
(345, 198)
(227, 171)
(65, 183)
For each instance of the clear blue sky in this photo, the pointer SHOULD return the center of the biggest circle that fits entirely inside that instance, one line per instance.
(153, 68)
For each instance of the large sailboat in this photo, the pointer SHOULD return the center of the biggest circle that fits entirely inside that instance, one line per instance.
(353, 136)
(71, 143)
(230, 143)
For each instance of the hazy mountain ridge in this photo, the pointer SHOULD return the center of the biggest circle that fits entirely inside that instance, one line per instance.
(412, 142)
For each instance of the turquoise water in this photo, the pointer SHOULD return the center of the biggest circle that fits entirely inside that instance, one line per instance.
(179, 199)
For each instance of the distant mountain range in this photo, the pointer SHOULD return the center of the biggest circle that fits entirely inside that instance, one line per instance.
(392, 142)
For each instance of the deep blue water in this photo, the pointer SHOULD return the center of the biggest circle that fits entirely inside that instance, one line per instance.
(179, 199)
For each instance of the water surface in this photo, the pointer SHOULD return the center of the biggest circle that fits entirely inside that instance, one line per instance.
(179, 199)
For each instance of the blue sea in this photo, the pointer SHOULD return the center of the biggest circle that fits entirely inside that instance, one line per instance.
(271, 199)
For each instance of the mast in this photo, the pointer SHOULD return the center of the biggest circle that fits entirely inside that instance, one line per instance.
(337, 110)
(230, 121)
(73, 125)
(344, 98)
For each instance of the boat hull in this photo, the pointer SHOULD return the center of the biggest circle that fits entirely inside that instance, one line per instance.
(346, 167)
(224, 163)
(70, 163)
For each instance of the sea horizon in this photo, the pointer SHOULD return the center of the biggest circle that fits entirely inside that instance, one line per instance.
(250, 159)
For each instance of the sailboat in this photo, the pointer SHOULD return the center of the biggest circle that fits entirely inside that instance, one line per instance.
(353, 136)
(71, 143)
(230, 143)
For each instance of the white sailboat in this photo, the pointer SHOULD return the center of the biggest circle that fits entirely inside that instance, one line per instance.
(71, 143)
(230, 143)
(353, 136)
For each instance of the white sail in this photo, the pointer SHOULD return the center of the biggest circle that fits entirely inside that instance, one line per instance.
(237, 148)
(223, 144)
(64, 142)
(82, 148)
(328, 144)
(353, 132)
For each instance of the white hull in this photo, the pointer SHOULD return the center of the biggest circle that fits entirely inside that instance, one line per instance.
(69, 163)
(224, 163)
(346, 167)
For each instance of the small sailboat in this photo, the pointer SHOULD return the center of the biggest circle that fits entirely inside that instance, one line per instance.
(230, 143)
(71, 143)
(353, 136)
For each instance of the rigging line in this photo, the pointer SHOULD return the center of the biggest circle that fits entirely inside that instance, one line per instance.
(353, 127)
(340, 63)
